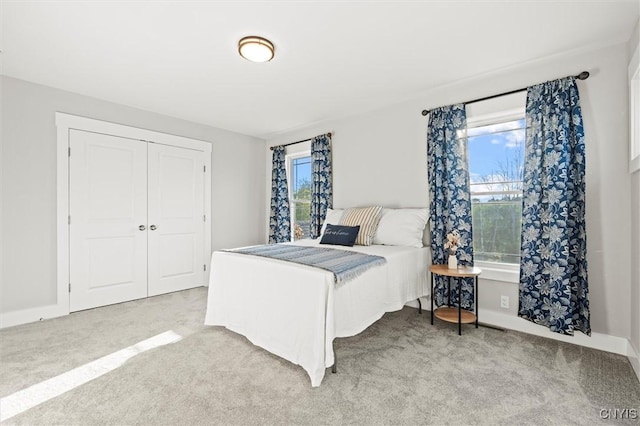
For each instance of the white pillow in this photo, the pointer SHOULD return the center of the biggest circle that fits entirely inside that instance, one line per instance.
(401, 227)
(333, 217)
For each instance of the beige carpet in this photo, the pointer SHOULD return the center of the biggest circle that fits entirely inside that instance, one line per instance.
(401, 370)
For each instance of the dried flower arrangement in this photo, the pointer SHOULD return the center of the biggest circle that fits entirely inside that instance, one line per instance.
(453, 242)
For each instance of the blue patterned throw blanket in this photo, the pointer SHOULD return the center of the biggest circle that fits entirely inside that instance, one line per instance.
(345, 265)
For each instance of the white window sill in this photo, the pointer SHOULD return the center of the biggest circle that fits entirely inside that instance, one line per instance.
(499, 271)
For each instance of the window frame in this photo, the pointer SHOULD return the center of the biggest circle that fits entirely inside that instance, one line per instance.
(634, 112)
(498, 271)
(289, 158)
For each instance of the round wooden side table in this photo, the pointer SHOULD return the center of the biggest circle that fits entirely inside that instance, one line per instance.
(449, 313)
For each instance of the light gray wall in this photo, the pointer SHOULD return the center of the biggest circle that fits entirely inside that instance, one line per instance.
(29, 183)
(380, 158)
(634, 300)
(1, 188)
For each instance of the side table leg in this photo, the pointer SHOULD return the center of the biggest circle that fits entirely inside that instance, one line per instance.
(459, 306)
(477, 307)
(432, 296)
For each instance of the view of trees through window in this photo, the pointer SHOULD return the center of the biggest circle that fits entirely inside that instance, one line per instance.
(301, 197)
(496, 167)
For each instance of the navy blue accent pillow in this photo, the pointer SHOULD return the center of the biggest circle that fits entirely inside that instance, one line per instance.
(340, 235)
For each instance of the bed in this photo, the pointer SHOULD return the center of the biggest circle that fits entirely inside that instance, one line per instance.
(296, 311)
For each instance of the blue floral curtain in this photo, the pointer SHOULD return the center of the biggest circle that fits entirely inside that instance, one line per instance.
(280, 216)
(322, 185)
(553, 266)
(449, 195)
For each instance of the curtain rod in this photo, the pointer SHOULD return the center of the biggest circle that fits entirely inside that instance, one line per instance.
(582, 76)
(293, 143)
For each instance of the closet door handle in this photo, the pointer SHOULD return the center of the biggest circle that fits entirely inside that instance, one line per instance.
(153, 227)
(142, 227)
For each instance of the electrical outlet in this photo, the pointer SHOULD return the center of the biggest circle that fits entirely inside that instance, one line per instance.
(504, 302)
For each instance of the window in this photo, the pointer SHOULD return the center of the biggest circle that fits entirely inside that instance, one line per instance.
(496, 167)
(299, 166)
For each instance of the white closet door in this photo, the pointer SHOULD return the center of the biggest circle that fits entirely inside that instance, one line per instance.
(176, 219)
(108, 209)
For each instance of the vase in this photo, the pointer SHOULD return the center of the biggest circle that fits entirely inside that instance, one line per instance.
(453, 261)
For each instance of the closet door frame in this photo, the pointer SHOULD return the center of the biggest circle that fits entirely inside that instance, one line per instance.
(65, 123)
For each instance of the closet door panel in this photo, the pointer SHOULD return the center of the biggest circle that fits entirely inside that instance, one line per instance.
(107, 205)
(176, 219)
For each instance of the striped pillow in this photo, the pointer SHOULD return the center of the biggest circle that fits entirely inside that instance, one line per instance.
(367, 218)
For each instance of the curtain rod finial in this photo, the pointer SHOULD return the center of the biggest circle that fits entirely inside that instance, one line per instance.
(583, 75)
(425, 112)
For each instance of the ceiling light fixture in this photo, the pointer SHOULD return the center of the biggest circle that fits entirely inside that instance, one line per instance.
(256, 49)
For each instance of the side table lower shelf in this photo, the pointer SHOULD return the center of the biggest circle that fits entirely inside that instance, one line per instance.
(449, 314)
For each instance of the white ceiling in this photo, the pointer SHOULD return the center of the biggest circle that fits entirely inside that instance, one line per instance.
(333, 58)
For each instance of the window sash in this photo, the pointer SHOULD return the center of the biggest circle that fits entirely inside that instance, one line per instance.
(485, 249)
(515, 192)
(295, 203)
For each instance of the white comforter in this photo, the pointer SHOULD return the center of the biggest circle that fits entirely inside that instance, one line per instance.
(295, 311)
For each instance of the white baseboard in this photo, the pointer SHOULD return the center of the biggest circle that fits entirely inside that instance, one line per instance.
(24, 316)
(603, 342)
(634, 358)
(600, 341)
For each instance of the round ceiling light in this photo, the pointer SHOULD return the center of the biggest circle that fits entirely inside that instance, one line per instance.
(256, 49)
